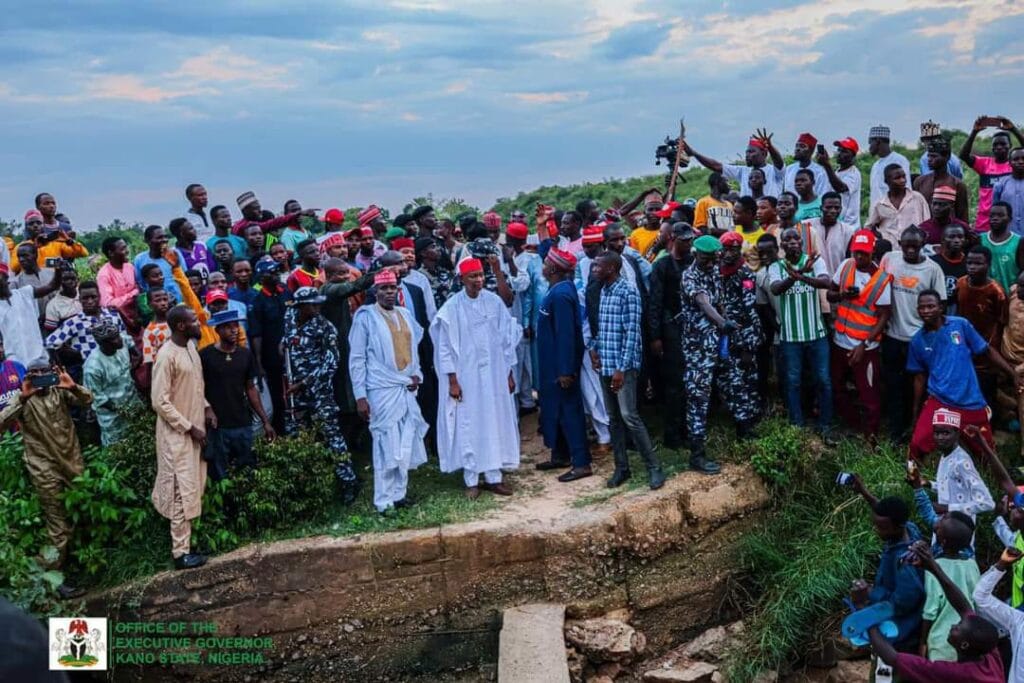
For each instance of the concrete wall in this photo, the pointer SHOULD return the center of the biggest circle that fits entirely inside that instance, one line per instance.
(417, 602)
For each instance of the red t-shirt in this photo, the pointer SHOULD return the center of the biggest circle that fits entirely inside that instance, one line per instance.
(989, 171)
(988, 669)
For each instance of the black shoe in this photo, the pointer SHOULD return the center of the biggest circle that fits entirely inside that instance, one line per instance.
(700, 463)
(552, 465)
(574, 474)
(406, 502)
(657, 478)
(66, 592)
(618, 478)
(189, 561)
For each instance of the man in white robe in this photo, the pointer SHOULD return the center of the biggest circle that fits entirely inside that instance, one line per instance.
(385, 372)
(475, 339)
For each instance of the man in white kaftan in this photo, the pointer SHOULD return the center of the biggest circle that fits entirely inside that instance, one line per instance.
(475, 339)
(385, 372)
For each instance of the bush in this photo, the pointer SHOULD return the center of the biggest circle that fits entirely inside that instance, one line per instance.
(782, 453)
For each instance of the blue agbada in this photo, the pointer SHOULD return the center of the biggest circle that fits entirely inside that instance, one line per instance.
(560, 352)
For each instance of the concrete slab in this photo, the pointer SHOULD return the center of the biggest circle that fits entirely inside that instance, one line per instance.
(532, 645)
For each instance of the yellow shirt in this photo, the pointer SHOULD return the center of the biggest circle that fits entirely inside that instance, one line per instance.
(642, 239)
(54, 249)
(750, 248)
(711, 213)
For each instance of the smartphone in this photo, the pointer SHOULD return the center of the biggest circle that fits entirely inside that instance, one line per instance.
(50, 379)
(821, 149)
(844, 479)
(991, 122)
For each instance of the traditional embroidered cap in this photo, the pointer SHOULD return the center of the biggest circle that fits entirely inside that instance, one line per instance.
(216, 295)
(267, 264)
(930, 129)
(307, 295)
(666, 211)
(944, 193)
(731, 239)
(385, 277)
(593, 234)
(848, 143)
(807, 139)
(492, 220)
(336, 216)
(367, 215)
(104, 330)
(706, 244)
(533, 240)
(881, 132)
(611, 216)
(401, 243)
(33, 213)
(245, 199)
(224, 317)
(561, 259)
(754, 142)
(518, 231)
(365, 232)
(863, 240)
(332, 240)
(946, 417)
(470, 265)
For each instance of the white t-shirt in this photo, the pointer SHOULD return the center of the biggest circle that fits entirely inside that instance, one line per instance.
(851, 198)
(741, 174)
(821, 183)
(909, 280)
(878, 187)
(860, 279)
(19, 325)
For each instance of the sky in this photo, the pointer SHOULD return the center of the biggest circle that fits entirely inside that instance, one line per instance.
(114, 106)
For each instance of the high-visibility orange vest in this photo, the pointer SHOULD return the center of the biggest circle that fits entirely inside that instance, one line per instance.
(856, 317)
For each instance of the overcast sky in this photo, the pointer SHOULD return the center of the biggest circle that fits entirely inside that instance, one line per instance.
(115, 106)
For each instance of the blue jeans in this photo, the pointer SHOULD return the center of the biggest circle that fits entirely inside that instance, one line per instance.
(814, 356)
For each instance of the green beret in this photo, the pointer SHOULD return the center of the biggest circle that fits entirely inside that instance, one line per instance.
(392, 233)
(707, 244)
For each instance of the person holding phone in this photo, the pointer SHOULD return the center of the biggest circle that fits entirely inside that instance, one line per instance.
(53, 456)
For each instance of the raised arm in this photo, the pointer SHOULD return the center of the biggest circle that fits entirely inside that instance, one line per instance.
(954, 596)
(966, 155)
(706, 162)
(50, 287)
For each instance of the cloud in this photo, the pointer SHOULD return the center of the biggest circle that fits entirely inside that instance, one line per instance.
(456, 87)
(409, 116)
(133, 89)
(387, 40)
(555, 97)
(221, 65)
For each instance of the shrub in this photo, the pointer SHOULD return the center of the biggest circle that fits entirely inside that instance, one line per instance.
(782, 453)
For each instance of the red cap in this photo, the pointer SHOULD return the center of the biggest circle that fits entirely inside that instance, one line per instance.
(492, 219)
(385, 277)
(848, 143)
(807, 139)
(334, 216)
(731, 239)
(470, 265)
(593, 234)
(666, 211)
(863, 240)
(365, 232)
(517, 230)
(216, 295)
(400, 243)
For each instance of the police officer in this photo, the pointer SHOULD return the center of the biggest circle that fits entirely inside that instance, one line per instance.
(736, 364)
(311, 345)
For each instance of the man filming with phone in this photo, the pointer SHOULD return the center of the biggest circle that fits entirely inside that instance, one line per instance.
(53, 456)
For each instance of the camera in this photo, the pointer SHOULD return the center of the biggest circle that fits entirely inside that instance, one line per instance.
(667, 151)
(57, 263)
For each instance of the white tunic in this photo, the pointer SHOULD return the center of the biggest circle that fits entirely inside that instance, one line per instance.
(396, 424)
(476, 339)
(19, 325)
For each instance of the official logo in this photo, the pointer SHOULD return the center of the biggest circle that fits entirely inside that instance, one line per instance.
(78, 643)
(955, 337)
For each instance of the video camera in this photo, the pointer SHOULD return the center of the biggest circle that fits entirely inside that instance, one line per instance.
(667, 151)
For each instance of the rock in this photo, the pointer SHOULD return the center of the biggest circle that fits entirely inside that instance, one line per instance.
(609, 670)
(848, 671)
(576, 661)
(685, 672)
(600, 679)
(766, 677)
(302, 638)
(349, 628)
(606, 640)
(717, 677)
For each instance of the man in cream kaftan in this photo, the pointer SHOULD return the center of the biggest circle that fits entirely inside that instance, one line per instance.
(181, 409)
(385, 373)
(475, 339)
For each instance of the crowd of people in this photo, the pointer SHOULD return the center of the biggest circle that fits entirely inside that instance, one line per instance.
(429, 337)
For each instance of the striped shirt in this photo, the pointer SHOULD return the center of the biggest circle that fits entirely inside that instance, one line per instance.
(799, 306)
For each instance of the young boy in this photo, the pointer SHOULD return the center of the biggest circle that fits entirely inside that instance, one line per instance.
(972, 638)
(957, 483)
(154, 279)
(954, 532)
(981, 300)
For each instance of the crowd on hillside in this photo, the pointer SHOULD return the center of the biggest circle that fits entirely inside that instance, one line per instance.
(430, 337)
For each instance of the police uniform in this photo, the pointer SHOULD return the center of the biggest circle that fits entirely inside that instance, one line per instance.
(700, 347)
(313, 353)
(737, 382)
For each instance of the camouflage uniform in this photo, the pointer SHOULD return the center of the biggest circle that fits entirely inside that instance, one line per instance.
(734, 298)
(313, 353)
(737, 383)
